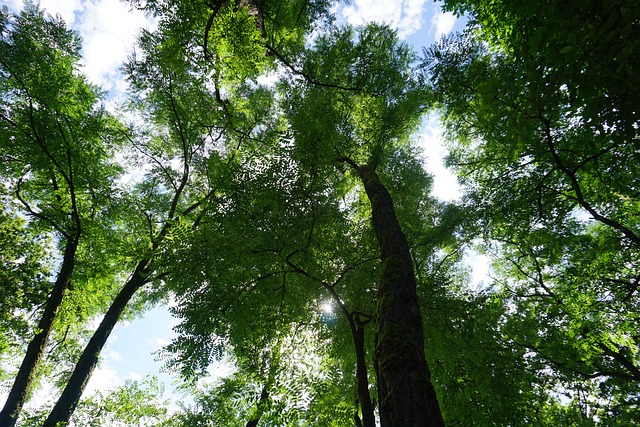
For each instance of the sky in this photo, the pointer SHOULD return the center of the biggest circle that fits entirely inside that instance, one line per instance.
(108, 29)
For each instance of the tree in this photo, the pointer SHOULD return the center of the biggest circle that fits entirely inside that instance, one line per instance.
(24, 261)
(541, 114)
(282, 249)
(180, 148)
(133, 403)
(292, 382)
(369, 105)
(279, 231)
(56, 145)
(234, 59)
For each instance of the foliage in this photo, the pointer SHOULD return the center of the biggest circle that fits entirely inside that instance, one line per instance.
(136, 403)
(541, 120)
(244, 204)
(294, 385)
(57, 145)
(24, 272)
(238, 38)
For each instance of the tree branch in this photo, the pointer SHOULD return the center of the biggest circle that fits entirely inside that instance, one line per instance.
(575, 184)
(307, 77)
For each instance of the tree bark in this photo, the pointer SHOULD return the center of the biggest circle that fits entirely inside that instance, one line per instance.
(406, 395)
(66, 404)
(35, 349)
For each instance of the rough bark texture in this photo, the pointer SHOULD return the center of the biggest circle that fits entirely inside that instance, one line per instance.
(66, 404)
(407, 397)
(35, 349)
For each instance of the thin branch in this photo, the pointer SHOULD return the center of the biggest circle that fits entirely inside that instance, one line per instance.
(578, 190)
(215, 8)
(306, 76)
(138, 147)
(624, 361)
(39, 215)
(59, 342)
(351, 268)
(185, 153)
(561, 365)
(8, 120)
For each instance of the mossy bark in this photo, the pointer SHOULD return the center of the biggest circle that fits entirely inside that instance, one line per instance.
(406, 395)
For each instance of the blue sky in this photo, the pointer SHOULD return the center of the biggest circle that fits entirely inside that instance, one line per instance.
(108, 29)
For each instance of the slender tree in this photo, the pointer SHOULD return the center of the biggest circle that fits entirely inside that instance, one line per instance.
(167, 199)
(56, 143)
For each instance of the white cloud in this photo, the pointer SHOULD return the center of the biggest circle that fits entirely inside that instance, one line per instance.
(268, 80)
(219, 369)
(404, 15)
(442, 23)
(44, 395)
(65, 8)
(445, 183)
(103, 378)
(109, 29)
(157, 343)
(480, 265)
(134, 376)
(14, 5)
(114, 355)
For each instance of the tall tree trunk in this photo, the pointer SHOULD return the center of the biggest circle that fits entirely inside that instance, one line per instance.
(262, 402)
(368, 417)
(407, 397)
(66, 404)
(35, 349)
(357, 333)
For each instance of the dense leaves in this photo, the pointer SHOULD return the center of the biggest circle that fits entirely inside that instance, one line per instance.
(543, 128)
(57, 147)
(289, 228)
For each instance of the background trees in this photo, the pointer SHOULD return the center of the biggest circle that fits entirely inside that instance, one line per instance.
(544, 129)
(368, 109)
(57, 145)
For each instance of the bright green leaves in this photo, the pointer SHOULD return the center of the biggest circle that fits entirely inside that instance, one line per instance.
(234, 37)
(30, 38)
(24, 270)
(357, 100)
(134, 403)
(137, 403)
(235, 43)
(290, 382)
(56, 139)
(56, 144)
(540, 126)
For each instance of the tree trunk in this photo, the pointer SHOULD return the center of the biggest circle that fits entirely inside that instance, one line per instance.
(368, 417)
(18, 393)
(357, 333)
(66, 404)
(264, 396)
(407, 397)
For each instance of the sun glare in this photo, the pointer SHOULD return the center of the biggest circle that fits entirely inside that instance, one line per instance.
(327, 308)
